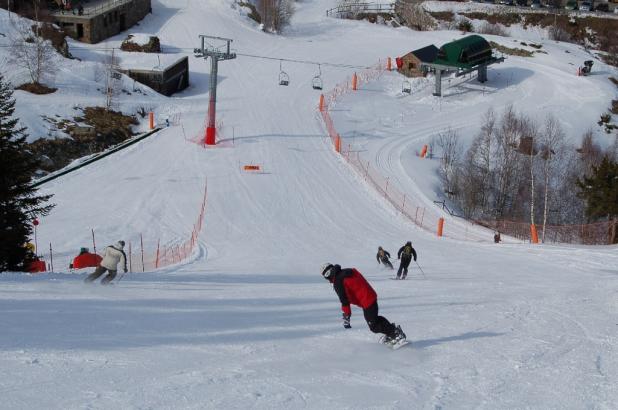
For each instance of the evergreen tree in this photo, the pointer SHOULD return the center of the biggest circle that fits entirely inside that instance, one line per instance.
(19, 202)
(600, 190)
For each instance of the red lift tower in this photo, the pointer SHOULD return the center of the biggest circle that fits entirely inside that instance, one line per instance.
(216, 54)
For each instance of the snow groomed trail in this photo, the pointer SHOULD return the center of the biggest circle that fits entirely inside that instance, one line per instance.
(247, 322)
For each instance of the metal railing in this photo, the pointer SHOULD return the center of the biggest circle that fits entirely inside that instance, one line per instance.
(348, 10)
(95, 9)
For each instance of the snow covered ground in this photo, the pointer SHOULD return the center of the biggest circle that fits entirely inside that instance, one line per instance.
(248, 322)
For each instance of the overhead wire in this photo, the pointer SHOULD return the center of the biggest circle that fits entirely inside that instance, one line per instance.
(290, 60)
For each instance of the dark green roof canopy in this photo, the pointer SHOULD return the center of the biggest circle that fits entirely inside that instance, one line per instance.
(465, 53)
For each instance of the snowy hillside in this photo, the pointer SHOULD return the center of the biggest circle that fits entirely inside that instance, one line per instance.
(246, 321)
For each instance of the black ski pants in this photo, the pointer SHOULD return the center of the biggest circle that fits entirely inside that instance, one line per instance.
(403, 266)
(386, 262)
(378, 324)
(100, 270)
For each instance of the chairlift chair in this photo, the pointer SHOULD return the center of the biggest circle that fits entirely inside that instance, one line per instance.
(284, 78)
(317, 80)
(406, 87)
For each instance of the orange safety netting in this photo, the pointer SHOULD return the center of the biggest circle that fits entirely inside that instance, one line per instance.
(414, 208)
(599, 233)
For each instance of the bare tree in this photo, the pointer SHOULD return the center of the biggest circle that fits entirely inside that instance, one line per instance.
(275, 14)
(29, 49)
(112, 81)
(552, 148)
(415, 17)
(558, 33)
(508, 135)
(451, 152)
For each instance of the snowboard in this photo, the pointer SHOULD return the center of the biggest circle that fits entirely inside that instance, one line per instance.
(394, 346)
(396, 278)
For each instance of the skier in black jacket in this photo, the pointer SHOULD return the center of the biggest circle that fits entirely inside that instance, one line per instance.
(383, 257)
(405, 254)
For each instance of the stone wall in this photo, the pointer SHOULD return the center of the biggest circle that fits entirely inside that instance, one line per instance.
(173, 79)
(98, 27)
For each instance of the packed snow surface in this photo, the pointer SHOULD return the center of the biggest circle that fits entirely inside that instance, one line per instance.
(246, 321)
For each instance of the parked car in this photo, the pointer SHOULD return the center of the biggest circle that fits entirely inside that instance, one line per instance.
(507, 2)
(536, 4)
(571, 5)
(604, 7)
(586, 6)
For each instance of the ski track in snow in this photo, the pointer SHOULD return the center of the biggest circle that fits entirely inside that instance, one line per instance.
(246, 322)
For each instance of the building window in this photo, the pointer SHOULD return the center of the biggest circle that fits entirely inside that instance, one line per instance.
(104, 21)
(116, 15)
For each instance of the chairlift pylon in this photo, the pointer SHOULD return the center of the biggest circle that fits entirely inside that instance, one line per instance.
(284, 78)
(406, 87)
(316, 83)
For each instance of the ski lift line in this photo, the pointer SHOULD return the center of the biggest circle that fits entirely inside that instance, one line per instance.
(290, 60)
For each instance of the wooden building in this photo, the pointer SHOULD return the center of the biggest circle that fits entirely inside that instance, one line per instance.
(98, 20)
(411, 63)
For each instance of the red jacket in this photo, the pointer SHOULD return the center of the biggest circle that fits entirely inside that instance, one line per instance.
(352, 288)
(86, 260)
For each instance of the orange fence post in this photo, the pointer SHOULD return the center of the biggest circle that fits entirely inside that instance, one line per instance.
(151, 120)
(338, 143)
(354, 82)
(388, 64)
(424, 151)
(440, 226)
(321, 102)
(534, 237)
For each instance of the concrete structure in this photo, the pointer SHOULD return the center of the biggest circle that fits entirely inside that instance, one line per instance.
(101, 19)
(167, 81)
(412, 62)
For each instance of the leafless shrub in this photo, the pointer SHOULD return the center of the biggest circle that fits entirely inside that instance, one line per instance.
(30, 50)
(557, 33)
(275, 14)
(414, 16)
(492, 29)
(451, 152)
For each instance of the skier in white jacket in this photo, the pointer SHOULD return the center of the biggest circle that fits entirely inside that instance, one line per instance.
(113, 255)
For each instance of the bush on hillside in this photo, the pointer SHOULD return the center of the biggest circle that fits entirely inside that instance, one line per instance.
(557, 33)
(492, 29)
(465, 25)
(131, 44)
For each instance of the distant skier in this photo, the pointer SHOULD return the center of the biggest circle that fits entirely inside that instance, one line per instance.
(406, 252)
(383, 257)
(113, 255)
(497, 238)
(353, 288)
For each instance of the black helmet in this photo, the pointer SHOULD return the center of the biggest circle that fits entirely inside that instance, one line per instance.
(327, 270)
(409, 243)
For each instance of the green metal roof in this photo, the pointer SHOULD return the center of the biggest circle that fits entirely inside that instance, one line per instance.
(465, 53)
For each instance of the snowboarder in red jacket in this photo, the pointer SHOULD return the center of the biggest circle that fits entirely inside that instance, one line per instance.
(352, 288)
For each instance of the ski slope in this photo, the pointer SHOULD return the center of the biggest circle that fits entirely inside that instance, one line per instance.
(247, 322)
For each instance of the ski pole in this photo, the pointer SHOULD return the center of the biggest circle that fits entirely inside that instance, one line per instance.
(419, 266)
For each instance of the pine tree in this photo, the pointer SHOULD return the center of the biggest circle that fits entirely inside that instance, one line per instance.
(600, 190)
(19, 203)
